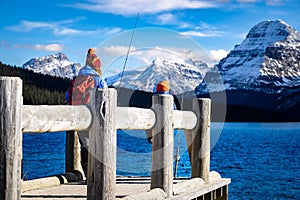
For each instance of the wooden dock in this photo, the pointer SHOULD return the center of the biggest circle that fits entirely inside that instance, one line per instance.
(102, 118)
(137, 188)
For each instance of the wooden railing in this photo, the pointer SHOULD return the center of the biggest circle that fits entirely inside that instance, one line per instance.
(102, 118)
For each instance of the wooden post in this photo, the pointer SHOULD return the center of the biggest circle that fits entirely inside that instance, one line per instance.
(188, 134)
(162, 144)
(10, 137)
(72, 156)
(101, 179)
(201, 139)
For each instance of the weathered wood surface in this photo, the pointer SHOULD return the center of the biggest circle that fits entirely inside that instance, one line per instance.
(55, 118)
(201, 140)
(194, 183)
(10, 138)
(136, 188)
(125, 186)
(186, 185)
(101, 179)
(130, 118)
(186, 120)
(162, 144)
(205, 191)
(156, 193)
(50, 181)
(72, 153)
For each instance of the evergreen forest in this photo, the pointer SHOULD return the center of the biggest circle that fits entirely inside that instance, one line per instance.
(38, 89)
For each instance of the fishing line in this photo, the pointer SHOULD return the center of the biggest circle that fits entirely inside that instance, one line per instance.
(177, 156)
(127, 55)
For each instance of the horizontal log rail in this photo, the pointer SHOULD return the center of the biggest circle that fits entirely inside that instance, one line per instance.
(185, 120)
(131, 118)
(55, 118)
(44, 118)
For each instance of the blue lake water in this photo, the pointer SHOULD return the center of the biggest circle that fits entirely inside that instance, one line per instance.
(262, 159)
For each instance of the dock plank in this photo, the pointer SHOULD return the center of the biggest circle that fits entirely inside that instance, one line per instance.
(126, 186)
(78, 190)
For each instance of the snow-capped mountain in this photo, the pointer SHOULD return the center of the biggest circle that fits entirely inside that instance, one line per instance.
(54, 65)
(269, 56)
(263, 71)
(183, 75)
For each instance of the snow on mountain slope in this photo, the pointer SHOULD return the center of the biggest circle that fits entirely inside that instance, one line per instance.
(262, 72)
(183, 76)
(269, 55)
(54, 65)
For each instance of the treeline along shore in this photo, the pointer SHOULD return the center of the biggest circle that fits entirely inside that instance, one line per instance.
(39, 89)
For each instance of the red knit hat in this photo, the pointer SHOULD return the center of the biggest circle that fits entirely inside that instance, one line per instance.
(163, 86)
(93, 61)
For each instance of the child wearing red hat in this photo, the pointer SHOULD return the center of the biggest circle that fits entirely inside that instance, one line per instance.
(163, 87)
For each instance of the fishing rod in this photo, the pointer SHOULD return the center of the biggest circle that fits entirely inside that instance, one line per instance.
(128, 51)
(177, 155)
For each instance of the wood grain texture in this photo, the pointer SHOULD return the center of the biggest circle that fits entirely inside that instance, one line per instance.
(201, 140)
(55, 118)
(101, 179)
(10, 137)
(162, 144)
(131, 118)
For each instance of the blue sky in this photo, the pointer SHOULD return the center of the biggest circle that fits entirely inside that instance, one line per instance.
(35, 28)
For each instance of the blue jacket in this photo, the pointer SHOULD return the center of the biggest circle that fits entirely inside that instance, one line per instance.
(99, 81)
(89, 71)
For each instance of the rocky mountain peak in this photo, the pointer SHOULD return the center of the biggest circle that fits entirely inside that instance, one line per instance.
(263, 71)
(266, 33)
(55, 65)
(269, 55)
(183, 75)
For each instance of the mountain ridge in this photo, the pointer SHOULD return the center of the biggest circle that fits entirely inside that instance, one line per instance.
(265, 57)
(55, 65)
(263, 71)
(183, 75)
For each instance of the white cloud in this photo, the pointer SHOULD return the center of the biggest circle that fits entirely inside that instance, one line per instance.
(111, 31)
(27, 26)
(167, 18)
(201, 34)
(217, 55)
(49, 47)
(204, 30)
(116, 51)
(248, 1)
(66, 31)
(145, 56)
(132, 7)
(40, 47)
(268, 2)
(171, 19)
(274, 2)
(61, 28)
